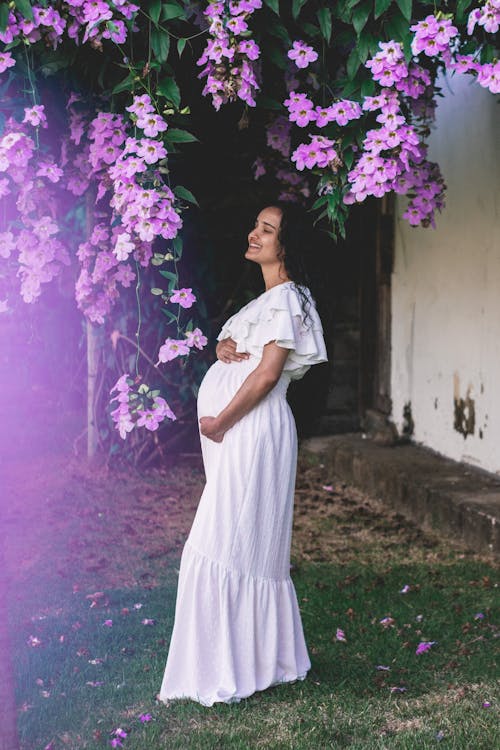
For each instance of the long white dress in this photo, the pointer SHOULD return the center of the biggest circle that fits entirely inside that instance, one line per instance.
(237, 624)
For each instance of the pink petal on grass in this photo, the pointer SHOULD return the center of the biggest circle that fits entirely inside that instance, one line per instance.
(424, 646)
(398, 689)
(382, 668)
(147, 621)
(387, 621)
(405, 589)
(145, 717)
(108, 623)
(340, 635)
(479, 616)
(327, 487)
(486, 704)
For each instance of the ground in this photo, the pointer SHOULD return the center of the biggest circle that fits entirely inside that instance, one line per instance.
(85, 544)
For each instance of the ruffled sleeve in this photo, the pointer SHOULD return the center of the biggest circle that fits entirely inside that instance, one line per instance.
(277, 315)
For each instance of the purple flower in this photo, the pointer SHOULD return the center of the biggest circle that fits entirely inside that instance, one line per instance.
(145, 717)
(141, 105)
(6, 61)
(151, 124)
(424, 646)
(184, 297)
(302, 54)
(479, 616)
(196, 338)
(171, 349)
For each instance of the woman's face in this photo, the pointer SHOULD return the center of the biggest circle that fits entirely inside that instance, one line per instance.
(263, 240)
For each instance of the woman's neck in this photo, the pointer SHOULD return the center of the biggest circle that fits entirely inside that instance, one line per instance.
(273, 277)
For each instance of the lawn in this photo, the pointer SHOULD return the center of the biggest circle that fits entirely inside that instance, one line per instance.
(92, 612)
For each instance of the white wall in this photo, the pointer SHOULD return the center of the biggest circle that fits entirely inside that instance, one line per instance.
(446, 287)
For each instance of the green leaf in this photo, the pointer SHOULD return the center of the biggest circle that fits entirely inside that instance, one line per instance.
(160, 43)
(266, 102)
(156, 291)
(154, 10)
(397, 28)
(169, 275)
(170, 315)
(462, 6)
(126, 85)
(181, 43)
(368, 87)
(361, 15)
(364, 45)
(380, 7)
(297, 7)
(319, 202)
(274, 5)
(24, 7)
(185, 194)
(277, 57)
(172, 10)
(177, 244)
(4, 16)
(174, 135)
(325, 22)
(353, 63)
(168, 88)
(310, 29)
(405, 7)
(277, 29)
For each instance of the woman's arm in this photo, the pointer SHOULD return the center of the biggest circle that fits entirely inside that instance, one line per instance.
(253, 389)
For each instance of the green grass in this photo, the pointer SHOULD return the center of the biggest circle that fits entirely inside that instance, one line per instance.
(345, 702)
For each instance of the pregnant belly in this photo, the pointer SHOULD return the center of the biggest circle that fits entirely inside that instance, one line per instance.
(220, 384)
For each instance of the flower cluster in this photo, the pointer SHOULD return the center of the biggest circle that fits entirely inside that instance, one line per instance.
(82, 21)
(278, 135)
(229, 58)
(432, 36)
(319, 152)
(142, 205)
(302, 111)
(488, 16)
(137, 408)
(40, 253)
(393, 159)
(173, 348)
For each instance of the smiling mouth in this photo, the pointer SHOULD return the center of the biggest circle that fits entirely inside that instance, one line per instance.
(252, 244)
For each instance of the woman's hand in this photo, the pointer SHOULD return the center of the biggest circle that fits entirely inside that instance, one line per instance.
(226, 352)
(209, 427)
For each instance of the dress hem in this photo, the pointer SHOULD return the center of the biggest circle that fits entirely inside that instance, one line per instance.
(208, 702)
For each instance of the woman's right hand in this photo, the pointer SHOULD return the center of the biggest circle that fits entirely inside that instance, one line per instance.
(226, 352)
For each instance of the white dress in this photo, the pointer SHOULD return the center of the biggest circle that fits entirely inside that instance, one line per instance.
(237, 624)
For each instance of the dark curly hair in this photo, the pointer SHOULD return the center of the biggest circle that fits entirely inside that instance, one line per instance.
(295, 236)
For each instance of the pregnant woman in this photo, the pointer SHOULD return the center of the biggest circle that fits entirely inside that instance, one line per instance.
(237, 623)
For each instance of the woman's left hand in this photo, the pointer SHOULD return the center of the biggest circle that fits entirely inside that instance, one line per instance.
(209, 427)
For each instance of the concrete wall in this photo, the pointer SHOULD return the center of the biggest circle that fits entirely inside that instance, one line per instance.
(446, 290)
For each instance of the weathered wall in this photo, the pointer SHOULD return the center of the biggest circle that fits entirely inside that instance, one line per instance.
(446, 290)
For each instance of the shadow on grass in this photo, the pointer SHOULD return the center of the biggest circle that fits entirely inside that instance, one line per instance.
(88, 665)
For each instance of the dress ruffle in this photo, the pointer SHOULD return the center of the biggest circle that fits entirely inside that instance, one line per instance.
(233, 634)
(277, 315)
